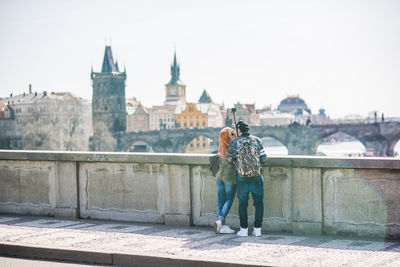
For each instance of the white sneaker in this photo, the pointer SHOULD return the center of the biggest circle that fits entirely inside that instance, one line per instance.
(243, 232)
(225, 229)
(217, 226)
(257, 231)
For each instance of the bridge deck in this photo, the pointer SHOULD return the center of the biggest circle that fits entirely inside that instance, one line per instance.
(106, 242)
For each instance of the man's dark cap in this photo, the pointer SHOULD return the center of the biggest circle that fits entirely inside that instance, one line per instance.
(244, 127)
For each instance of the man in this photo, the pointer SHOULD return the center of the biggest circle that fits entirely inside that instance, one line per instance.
(248, 154)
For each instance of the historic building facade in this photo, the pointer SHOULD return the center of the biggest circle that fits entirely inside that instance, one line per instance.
(138, 120)
(162, 118)
(108, 100)
(202, 115)
(245, 112)
(7, 127)
(59, 115)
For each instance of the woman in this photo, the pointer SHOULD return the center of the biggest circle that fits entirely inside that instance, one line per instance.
(226, 182)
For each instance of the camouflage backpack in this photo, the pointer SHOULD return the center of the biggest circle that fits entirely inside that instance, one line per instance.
(248, 158)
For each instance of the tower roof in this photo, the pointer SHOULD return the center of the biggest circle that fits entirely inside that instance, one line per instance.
(175, 72)
(205, 97)
(108, 61)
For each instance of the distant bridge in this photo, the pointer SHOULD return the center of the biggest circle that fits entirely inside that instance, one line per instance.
(299, 139)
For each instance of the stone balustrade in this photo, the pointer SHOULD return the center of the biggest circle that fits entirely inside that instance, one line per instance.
(303, 194)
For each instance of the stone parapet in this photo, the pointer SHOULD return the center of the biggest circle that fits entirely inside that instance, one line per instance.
(201, 159)
(303, 194)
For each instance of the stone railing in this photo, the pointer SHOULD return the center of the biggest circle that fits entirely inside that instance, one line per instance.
(311, 195)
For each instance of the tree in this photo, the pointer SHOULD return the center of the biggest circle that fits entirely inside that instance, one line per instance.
(102, 139)
(38, 137)
(74, 134)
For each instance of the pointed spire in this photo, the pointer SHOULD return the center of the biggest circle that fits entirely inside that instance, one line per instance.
(108, 61)
(175, 72)
(175, 64)
(205, 97)
(116, 65)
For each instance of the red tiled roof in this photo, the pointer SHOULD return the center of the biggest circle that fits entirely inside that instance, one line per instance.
(166, 107)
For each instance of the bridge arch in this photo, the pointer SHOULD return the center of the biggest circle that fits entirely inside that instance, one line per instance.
(340, 144)
(202, 144)
(189, 136)
(273, 146)
(395, 147)
(140, 145)
(278, 133)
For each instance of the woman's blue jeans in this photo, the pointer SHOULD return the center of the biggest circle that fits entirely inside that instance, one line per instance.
(226, 194)
(255, 186)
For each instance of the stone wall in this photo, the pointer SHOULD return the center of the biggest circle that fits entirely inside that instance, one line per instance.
(310, 195)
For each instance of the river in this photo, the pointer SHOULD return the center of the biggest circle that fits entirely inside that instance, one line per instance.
(338, 149)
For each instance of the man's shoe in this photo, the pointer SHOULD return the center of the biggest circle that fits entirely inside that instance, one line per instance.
(217, 226)
(257, 231)
(243, 232)
(225, 229)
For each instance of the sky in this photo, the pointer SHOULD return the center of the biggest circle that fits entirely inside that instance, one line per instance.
(340, 55)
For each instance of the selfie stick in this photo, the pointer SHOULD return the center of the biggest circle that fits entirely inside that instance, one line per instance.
(233, 110)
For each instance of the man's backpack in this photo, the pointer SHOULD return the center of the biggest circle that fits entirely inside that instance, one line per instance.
(248, 158)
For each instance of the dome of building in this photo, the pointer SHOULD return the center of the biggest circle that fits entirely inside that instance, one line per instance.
(292, 104)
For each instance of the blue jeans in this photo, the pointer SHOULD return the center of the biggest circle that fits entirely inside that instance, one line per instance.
(226, 194)
(255, 186)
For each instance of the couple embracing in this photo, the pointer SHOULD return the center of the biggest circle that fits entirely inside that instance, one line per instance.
(240, 158)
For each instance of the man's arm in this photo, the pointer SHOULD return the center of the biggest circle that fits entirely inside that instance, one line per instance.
(263, 155)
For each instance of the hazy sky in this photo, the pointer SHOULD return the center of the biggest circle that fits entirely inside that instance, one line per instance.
(343, 56)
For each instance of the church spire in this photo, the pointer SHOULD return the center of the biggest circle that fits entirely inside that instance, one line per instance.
(108, 61)
(116, 65)
(175, 72)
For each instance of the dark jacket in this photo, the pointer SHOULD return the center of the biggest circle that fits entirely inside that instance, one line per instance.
(222, 169)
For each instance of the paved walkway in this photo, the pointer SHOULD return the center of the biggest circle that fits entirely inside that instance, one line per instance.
(138, 244)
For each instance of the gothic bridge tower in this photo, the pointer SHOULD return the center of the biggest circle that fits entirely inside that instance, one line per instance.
(175, 90)
(108, 100)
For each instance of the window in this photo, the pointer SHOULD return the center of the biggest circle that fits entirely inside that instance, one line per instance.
(198, 145)
(191, 145)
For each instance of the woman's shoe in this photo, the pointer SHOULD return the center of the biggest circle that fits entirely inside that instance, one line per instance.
(217, 226)
(225, 229)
